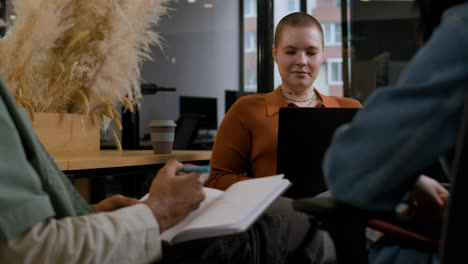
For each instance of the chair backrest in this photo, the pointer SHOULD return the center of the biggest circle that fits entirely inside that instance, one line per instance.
(186, 131)
(455, 229)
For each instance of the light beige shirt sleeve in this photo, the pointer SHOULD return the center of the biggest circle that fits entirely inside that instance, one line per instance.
(127, 235)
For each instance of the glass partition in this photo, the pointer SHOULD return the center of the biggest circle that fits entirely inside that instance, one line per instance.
(382, 40)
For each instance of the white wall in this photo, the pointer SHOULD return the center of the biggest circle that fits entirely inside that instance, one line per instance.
(200, 57)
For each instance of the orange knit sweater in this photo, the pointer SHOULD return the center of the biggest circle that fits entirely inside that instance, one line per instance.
(246, 140)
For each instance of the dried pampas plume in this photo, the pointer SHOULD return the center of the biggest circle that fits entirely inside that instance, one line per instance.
(79, 56)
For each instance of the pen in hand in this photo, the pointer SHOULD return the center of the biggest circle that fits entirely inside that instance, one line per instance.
(201, 169)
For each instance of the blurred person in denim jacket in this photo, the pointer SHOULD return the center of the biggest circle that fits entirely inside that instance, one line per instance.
(403, 129)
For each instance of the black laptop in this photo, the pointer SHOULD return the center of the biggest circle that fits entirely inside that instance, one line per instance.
(304, 135)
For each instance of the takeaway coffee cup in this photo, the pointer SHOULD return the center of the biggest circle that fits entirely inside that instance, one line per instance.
(162, 135)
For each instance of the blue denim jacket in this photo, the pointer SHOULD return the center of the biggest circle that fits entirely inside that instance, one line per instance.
(373, 161)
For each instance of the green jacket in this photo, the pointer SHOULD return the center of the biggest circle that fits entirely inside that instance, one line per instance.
(32, 188)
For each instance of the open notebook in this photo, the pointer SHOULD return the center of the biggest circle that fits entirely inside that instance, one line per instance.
(227, 212)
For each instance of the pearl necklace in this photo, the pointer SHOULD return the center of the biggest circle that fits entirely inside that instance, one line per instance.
(311, 99)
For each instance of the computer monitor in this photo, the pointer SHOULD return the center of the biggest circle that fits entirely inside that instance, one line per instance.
(207, 106)
(304, 135)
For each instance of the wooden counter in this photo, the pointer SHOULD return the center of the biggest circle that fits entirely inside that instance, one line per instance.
(88, 169)
(114, 158)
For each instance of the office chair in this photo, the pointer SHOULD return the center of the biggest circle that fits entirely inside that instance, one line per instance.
(346, 225)
(186, 131)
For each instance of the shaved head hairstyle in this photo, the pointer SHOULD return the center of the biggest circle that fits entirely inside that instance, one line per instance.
(297, 19)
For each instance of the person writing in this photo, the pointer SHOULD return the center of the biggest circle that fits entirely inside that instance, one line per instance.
(246, 141)
(403, 129)
(44, 219)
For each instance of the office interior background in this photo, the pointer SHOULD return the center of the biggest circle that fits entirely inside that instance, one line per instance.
(215, 51)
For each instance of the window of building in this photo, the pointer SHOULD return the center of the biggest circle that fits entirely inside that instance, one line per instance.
(250, 79)
(293, 5)
(332, 33)
(335, 71)
(326, 32)
(250, 42)
(337, 33)
(250, 45)
(250, 8)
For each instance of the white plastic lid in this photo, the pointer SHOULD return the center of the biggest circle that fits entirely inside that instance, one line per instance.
(162, 123)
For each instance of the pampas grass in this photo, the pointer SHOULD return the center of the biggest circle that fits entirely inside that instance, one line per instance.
(79, 56)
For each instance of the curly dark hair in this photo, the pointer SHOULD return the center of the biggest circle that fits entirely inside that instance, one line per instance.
(430, 14)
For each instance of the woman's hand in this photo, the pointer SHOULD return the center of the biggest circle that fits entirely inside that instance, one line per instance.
(113, 203)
